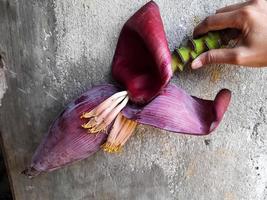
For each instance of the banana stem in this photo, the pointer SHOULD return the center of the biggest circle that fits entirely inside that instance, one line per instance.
(185, 54)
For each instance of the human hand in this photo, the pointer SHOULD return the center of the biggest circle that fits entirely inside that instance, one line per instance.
(251, 47)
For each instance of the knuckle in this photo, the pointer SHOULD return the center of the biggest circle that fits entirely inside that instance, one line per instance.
(237, 58)
(245, 13)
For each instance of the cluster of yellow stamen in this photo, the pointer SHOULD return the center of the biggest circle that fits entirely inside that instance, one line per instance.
(104, 114)
(120, 133)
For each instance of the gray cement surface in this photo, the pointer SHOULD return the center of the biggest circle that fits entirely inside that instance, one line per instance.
(65, 47)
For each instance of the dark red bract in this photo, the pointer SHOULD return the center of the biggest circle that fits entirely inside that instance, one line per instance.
(142, 60)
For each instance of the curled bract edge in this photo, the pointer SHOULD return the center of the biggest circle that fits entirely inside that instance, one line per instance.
(176, 111)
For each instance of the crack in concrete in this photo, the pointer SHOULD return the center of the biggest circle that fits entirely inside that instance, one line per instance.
(255, 129)
(262, 120)
(3, 83)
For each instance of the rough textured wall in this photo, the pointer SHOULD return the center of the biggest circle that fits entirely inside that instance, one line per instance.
(70, 47)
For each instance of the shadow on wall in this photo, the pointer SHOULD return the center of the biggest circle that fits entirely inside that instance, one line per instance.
(5, 193)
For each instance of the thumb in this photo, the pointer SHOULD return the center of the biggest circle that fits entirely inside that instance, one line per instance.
(217, 56)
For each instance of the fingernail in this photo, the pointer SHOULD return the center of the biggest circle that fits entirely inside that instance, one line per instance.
(196, 64)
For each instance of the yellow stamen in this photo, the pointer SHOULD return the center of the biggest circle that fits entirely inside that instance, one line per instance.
(98, 128)
(90, 123)
(87, 115)
(104, 114)
(110, 148)
(112, 115)
(120, 133)
(117, 126)
(109, 103)
(112, 105)
(130, 130)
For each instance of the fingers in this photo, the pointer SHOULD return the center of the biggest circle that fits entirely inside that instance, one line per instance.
(218, 56)
(218, 22)
(232, 7)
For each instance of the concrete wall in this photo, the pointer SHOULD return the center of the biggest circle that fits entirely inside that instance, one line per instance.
(75, 52)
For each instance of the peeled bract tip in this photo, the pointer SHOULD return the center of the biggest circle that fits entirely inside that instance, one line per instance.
(221, 104)
(30, 172)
